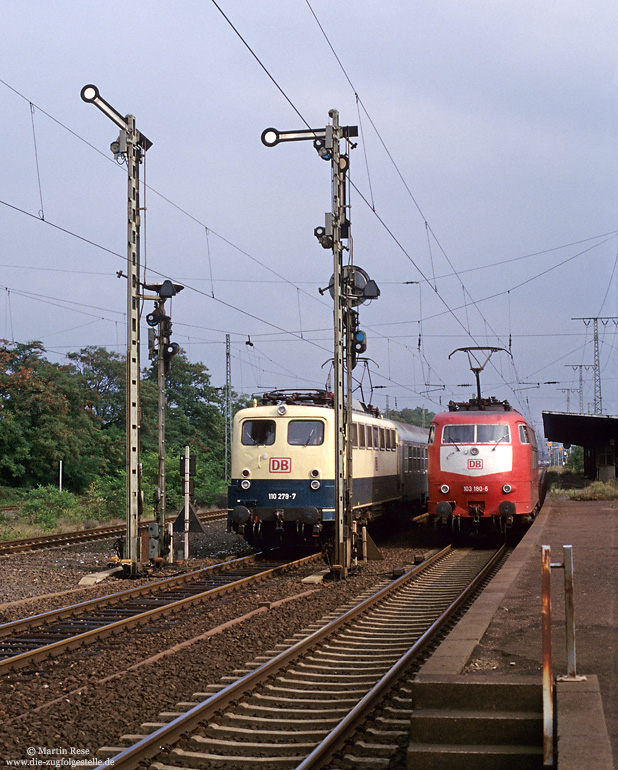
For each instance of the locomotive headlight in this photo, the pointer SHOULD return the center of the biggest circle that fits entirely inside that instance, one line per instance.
(315, 484)
(445, 489)
(507, 488)
(281, 410)
(315, 473)
(245, 484)
(245, 472)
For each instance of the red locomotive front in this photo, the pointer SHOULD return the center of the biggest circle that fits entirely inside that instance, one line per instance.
(482, 468)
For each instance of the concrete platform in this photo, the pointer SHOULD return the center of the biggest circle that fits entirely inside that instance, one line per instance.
(500, 636)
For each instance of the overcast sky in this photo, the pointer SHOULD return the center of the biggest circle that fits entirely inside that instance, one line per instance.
(486, 171)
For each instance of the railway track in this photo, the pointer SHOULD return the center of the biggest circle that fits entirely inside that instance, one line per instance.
(299, 706)
(86, 535)
(32, 639)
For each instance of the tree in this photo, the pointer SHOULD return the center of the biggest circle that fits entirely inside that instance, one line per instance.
(103, 375)
(45, 417)
(194, 416)
(575, 461)
(417, 416)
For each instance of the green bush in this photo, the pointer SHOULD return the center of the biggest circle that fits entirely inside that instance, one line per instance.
(45, 505)
(10, 495)
(105, 498)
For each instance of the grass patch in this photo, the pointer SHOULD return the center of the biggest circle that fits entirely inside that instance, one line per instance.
(597, 490)
(46, 510)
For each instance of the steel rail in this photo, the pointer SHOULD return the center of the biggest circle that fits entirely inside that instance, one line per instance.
(139, 618)
(85, 535)
(151, 745)
(335, 740)
(50, 616)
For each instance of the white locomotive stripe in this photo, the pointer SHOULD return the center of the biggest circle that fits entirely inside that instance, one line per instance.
(490, 459)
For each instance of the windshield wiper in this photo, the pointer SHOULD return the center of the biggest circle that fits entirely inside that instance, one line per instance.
(498, 441)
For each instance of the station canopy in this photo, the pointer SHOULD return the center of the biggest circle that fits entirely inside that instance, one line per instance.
(586, 430)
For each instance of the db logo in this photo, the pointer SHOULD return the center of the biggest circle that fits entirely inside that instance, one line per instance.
(475, 465)
(280, 465)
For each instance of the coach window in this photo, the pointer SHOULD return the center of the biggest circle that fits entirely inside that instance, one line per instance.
(258, 432)
(382, 438)
(305, 432)
(523, 435)
(376, 438)
(361, 436)
(354, 435)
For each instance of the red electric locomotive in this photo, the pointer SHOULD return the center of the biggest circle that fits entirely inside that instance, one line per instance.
(482, 468)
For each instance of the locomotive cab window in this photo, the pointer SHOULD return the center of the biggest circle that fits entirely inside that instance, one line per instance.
(492, 434)
(258, 432)
(524, 438)
(458, 434)
(305, 432)
(476, 434)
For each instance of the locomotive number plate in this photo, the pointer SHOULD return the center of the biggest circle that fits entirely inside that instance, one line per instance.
(475, 488)
(282, 495)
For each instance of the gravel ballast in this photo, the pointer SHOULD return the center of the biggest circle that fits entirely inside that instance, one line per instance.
(83, 700)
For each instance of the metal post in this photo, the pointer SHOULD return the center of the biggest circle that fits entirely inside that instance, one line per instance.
(60, 477)
(170, 534)
(326, 142)
(133, 361)
(161, 490)
(598, 398)
(570, 611)
(364, 542)
(186, 492)
(581, 390)
(548, 683)
(341, 525)
(228, 408)
(130, 145)
(569, 606)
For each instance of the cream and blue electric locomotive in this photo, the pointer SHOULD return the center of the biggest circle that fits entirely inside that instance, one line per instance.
(283, 468)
